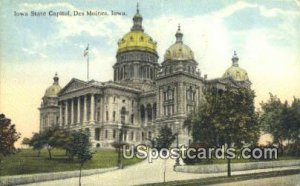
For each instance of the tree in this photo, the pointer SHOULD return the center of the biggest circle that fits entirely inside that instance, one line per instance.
(226, 118)
(8, 136)
(80, 147)
(26, 141)
(37, 142)
(281, 120)
(164, 139)
(57, 138)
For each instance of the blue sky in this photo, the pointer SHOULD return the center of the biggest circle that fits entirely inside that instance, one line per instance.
(265, 35)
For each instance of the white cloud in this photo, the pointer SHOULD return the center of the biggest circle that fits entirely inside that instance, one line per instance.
(231, 9)
(45, 6)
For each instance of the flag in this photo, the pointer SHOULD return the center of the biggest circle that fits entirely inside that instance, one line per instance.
(86, 51)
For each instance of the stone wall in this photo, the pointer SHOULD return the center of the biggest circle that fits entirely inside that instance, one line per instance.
(218, 168)
(33, 178)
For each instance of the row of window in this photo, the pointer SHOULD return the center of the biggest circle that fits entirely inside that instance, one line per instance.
(125, 135)
(127, 72)
(169, 70)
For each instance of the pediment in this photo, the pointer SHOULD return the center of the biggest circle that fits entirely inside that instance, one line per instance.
(73, 85)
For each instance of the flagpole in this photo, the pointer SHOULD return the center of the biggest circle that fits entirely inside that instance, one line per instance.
(87, 67)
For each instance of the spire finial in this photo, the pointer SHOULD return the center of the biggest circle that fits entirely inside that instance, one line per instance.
(137, 8)
(178, 27)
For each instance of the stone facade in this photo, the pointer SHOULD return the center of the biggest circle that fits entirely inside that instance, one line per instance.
(144, 95)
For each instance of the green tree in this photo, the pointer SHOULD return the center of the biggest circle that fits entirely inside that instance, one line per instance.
(281, 120)
(226, 118)
(80, 147)
(57, 138)
(164, 139)
(37, 142)
(8, 137)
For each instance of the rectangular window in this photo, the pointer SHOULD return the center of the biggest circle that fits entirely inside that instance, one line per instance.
(114, 134)
(97, 134)
(114, 115)
(149, 135)
(132, 136)
(132, 118)
(106, 134)
(107, 116)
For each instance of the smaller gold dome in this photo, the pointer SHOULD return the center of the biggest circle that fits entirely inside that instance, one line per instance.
(136, 40)
(54, 89)
(179, 51)
(235, 72)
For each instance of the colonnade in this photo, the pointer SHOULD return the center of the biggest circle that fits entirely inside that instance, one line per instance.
(77, 110)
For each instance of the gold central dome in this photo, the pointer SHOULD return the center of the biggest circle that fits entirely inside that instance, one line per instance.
(235, 72)
(136, 39)
(54, 89)
(179, 51)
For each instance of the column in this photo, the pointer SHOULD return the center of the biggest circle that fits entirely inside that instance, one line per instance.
(181, 96)
(175, 100)
(92, 119)
(60, 114)
(161, 101)
(66, 112)
(78, 110)
(72, 111)
(158, 103)
(85, 109)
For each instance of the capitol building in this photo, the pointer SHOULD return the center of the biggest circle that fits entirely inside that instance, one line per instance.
(144, 95)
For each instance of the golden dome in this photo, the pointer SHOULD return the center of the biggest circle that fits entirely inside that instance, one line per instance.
(235, 72)
(54, 89)
(179, 51)
(136, 39)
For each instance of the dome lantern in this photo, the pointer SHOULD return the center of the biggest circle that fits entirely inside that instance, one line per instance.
(235, 60)
(56, 79)
(137, 20)
(179, 35)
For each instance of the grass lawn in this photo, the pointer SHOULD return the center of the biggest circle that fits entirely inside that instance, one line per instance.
(27, 162)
